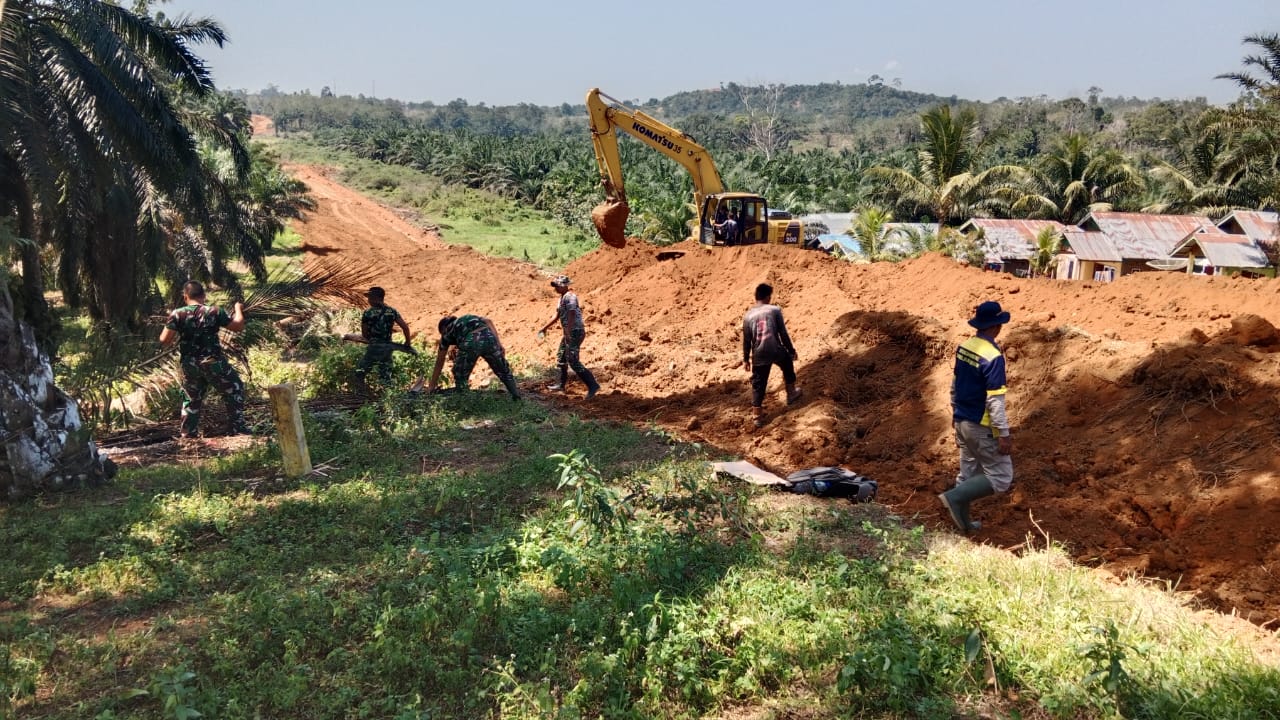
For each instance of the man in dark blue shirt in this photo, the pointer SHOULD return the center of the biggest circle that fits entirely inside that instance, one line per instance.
(728, 230)
(981, 422)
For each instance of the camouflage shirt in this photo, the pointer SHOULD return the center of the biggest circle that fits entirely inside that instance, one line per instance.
(465, 331)
(197, 327)
(377, 323)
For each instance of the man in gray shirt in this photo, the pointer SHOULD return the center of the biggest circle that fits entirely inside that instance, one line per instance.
(569, 315)
(765, 343)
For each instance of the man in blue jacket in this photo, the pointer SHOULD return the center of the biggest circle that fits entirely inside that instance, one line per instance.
(980, 418)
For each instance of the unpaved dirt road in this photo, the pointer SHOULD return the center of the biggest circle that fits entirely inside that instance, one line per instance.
(1146, 415)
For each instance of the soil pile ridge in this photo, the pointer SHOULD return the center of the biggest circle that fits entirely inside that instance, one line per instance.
(1145, 410)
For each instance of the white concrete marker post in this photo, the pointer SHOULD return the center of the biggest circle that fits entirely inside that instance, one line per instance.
(293, 440)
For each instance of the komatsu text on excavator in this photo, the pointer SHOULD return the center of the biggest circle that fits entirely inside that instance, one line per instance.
(751, 222)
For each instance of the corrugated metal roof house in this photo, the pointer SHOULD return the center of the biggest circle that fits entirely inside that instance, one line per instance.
(1225, 252)
(1139, 237)
(1259, 226)
(1009, 244)
(1088, 255)
(1091, 245)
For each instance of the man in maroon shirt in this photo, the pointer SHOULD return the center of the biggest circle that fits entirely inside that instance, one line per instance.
(765, 343)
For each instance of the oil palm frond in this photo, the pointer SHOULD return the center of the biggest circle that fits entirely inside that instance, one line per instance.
(286, 293)
(343, 282)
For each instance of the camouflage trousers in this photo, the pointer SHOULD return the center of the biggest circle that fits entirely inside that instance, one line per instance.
(482, 344)
(568, 357)
(197, 376)
(377, 355)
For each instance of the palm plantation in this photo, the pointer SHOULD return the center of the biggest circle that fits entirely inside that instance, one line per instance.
(121, 166)
(947, 183)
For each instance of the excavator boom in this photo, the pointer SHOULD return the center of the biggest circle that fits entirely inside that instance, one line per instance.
(609, 115)
(714, 207)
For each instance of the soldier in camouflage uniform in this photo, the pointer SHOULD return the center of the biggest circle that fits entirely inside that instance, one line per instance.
(195, 326)
(376, 325)
(471, 337)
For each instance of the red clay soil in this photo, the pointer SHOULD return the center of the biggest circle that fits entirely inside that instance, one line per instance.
(1145, 411)
(261, 125)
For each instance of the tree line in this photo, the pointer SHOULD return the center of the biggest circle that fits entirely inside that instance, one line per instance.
(1030, 158)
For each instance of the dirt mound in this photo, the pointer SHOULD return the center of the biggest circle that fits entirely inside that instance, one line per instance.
(1251, 330)
(1145, 410)
(1140, 449)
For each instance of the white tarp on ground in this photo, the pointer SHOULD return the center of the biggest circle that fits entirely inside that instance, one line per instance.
(743, 470)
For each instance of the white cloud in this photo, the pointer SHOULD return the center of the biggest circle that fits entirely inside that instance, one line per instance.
(892, 65)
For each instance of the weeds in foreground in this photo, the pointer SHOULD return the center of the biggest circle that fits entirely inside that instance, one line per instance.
(461, 562)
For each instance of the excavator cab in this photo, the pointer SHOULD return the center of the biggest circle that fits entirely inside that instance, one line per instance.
(750, 219)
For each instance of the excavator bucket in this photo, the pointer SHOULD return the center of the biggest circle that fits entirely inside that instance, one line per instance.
(610, 219)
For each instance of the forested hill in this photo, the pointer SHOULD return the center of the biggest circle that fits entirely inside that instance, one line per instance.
(860, 101)
(832, 115)
(800, 104)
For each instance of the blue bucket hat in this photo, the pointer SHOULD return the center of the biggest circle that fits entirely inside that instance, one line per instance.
(989, 314)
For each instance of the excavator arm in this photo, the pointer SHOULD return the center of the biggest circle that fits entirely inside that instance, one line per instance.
(608, 116)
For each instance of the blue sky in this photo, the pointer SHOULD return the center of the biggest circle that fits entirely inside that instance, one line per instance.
(502, 52)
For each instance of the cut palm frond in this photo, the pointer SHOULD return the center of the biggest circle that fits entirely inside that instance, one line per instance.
(290, 293)
(342, 282)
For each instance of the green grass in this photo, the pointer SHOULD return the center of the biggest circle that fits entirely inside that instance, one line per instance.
(286, 249)
(489, 223)
(450, 568)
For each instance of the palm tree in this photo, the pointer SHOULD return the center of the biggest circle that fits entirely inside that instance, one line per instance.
(94, 137)
(946, 182)
(1048, 243)
(1266, 87)
(661, 214)
(921, 240)
(1073, 180)
(1207, 168)
(1256, 119)
(868, 229)
(90, 142)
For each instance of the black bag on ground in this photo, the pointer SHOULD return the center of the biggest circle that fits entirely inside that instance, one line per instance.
(832, 482)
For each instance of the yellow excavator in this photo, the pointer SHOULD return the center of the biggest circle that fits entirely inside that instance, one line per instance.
(752, 222)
